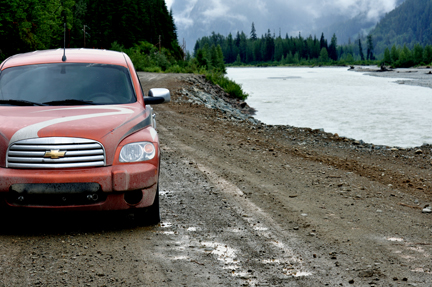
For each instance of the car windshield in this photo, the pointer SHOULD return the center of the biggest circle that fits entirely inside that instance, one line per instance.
(66, 83)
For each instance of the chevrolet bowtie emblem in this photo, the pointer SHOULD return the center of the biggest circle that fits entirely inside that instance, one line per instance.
(54, 154)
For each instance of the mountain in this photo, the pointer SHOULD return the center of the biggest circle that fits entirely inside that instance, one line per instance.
(351, 28)
(410, 23)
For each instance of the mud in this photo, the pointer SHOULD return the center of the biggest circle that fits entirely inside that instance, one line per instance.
(243, 204)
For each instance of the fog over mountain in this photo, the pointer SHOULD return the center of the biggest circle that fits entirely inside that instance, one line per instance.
(198, 18)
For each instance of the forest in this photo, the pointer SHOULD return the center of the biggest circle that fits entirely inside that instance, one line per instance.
(273, 50)
(28, 25)
(144, 30)
(409, 24)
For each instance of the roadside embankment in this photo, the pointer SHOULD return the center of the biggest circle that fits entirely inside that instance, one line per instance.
(386, 164)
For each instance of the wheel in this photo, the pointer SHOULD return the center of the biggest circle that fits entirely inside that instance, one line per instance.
(149, 215)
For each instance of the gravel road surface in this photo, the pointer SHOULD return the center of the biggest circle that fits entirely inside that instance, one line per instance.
(243, 204)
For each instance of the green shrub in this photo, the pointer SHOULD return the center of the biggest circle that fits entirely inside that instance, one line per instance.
(152, 69)
(229, 86)
(146, 57)
(117, 47)
(175, 69)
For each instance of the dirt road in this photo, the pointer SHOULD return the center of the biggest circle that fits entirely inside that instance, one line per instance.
(243, 204)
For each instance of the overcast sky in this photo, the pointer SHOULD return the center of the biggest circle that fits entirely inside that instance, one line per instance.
(197, 18)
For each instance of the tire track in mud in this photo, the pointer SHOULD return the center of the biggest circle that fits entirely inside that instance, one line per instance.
(242, 240)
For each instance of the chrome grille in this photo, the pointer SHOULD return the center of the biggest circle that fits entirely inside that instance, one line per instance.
(43, 153)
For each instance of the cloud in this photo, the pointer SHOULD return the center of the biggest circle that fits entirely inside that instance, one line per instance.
(183, 19)
(372, 8)
(216, 10)
(169, 3)
(198, 18)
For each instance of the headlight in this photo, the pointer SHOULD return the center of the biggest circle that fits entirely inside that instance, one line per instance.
(135, 152)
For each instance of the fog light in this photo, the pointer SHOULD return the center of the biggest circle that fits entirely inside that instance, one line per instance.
(133, 197)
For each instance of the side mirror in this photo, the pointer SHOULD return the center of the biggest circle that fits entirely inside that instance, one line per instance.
(157, 96)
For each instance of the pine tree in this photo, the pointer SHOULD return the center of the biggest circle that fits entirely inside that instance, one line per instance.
(278, 55)
(427, 55)
(418, 54)
(204, 57)
(361, 50)
(220, 60)
(230, 56)
(269, 47)
(243, 47)
(324, 56)
(323, 42)
(237, 40)
(238, 60)
(253, 34)
(332, 52)
(289, 58)
(394, 54)
(370, 55)
(387, 57)
(405, 58)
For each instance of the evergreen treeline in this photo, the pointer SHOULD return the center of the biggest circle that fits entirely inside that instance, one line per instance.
(403, 57)
(27, 25)
(408, 24)
(270, 49)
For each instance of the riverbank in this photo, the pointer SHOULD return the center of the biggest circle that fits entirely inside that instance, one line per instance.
(373, 109)
(421, 76)
(194, 95)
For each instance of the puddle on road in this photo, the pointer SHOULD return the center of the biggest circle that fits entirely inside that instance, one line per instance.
(188, 247)
(260, 228)
(301, 274)
(167, 232)
(224, 253)
(422, 270)
(166, 224)
(402, 247)
(395, 239)
(164, 192)
(247, 208)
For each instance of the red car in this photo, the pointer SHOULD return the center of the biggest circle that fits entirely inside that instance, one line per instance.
(78, 133)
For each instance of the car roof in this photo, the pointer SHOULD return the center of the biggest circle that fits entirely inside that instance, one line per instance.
(72, 56)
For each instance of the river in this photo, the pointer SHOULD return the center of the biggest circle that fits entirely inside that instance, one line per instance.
(373, 109)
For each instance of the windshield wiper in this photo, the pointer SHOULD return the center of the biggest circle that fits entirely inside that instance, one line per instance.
(69, 102)
(20, 103)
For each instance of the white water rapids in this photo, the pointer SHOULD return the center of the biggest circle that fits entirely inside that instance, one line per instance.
(373, 109)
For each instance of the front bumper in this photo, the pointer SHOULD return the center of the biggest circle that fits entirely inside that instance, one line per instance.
(113, 181)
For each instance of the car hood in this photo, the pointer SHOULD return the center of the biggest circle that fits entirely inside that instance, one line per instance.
(107, 124)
